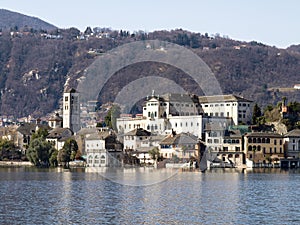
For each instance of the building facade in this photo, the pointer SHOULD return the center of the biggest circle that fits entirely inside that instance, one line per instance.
(181, 113)
(292, 143)
(263, 147)
(235, 107)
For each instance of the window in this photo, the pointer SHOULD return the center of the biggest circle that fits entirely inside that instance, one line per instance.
(96, 159)
(275, 142)
(66, 98)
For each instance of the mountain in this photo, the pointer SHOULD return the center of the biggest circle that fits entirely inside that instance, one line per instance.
(36, 66)
(12, 20)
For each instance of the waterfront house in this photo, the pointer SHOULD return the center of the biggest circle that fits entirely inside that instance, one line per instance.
(139, 142)
(292, 143)
(25, 131)
(223, 145)
(183, 146)
(264, 147)
(58, 136)
(103, 149)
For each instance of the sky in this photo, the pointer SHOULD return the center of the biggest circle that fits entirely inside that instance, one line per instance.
(272, 22)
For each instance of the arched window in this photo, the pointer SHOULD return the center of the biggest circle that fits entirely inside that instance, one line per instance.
(96, 159)
(90, 159)
(249, 140)
(263, 140)
(258, 148)
(230, 156)
(258, 140)
(102, 159)
(250, 148)
(237, 156)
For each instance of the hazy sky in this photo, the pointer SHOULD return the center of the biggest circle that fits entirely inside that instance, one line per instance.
(273, 22)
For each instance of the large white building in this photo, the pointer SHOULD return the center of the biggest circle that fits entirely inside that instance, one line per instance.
(235, 107)
(71, 110)
(181, 113)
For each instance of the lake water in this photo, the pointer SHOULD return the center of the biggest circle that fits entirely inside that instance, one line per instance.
(145, 196)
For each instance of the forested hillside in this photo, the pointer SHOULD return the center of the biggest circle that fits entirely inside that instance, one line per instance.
(13, 21)
(35, 65)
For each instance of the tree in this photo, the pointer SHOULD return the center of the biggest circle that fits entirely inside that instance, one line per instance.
(256, 114)
(68, 152)
(53, 158)
(40, 151)
(40, 133)
(111, 117)
(154, 153)
(88, 31)
(8, 150)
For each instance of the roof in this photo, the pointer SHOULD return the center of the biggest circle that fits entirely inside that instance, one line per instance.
(233, 134)
(176, 97)
(293, 133)
(138, 132)
(98, 135)
(30, 128)
(222, 98)
(56, 117)
(214, 127)
(60, 133)
(263, 134)
(70, 90)
(85, 131)
(182, 138)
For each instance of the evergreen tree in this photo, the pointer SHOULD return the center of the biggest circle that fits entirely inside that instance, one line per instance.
(256, 114)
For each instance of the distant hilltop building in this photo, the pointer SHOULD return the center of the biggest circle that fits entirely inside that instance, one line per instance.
(297, 86)
(71, 110)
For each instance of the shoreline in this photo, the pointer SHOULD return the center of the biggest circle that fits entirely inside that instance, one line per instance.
(15, 164)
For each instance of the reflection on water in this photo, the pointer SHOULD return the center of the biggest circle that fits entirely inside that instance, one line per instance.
(47, 196)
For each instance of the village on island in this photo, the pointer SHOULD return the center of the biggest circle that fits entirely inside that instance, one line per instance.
(174, 130)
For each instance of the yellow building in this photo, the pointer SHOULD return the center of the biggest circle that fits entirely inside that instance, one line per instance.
(263, 147)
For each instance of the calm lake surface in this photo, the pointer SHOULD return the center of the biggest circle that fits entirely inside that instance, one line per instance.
(145, 196)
